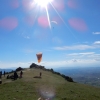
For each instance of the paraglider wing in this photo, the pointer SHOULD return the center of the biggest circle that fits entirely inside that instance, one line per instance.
(39, 57)
(54, 22)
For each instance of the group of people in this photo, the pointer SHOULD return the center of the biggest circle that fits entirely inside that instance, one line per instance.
(1, 74)
(15, 75)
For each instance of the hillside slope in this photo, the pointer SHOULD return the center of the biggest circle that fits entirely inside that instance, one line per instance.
(49, 86)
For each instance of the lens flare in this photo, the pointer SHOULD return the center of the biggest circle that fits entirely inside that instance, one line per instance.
(48, 93)
(42, 3)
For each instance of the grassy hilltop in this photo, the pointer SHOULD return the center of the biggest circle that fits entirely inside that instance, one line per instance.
(49, 86)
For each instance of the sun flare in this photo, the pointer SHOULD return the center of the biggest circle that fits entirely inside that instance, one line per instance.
(43, 3)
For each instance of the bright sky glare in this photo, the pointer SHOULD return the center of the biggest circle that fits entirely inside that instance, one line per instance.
(43, 3)
(67, 32)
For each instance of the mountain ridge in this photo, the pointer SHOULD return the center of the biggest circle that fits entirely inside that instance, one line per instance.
(50, 85)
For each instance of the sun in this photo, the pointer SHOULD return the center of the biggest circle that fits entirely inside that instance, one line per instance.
(43, 3)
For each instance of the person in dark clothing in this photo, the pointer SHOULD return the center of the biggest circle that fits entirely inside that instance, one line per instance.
(15, 75)
(7, 76)
(21, 73)
(40, 74)
(0, 74)
(4, 73)
(0, 81)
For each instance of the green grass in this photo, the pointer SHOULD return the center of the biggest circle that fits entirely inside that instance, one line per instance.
(50, 85)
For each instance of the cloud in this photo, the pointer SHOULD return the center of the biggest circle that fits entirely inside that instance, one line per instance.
(87, 53)
(74, 60)
(15, 64)
(75, 47)
(94, 45)
(83, 53)
(98, 59)
(96, 33)
(97, 42)
(57, 40)
(28, 51)
(27, 37)
(72, 63)
(24, 34)
(94, 56)
(55, 64)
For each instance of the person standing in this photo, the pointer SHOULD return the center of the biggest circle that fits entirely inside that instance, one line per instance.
(21, 73)
(40, 74)
(0, 81)
(0, 74)
(15, 75)
(4, 73)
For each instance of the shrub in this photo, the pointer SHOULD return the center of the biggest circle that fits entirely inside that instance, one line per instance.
(19, 69)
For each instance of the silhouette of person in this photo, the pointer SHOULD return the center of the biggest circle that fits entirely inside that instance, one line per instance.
(21, 73)
(0, 81)
(40, 74)
(4, 73)
(0, 74)
(7, 76)
(15, 75)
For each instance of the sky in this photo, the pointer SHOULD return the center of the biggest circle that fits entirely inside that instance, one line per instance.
(67, 32)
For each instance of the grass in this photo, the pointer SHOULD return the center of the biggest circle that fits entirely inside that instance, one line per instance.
(49, 86)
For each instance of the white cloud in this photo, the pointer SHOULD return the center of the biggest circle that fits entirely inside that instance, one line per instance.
(73, 63)
(97, 42)
(75, 47)
(14, 64)
(82, 53)
(98, 59)
(24, 34)
(95, 45)
(74, 60)
(57, 40)
(94, 56)
(28, 50)
(87, 53)
(55, 64)
(26, 37)
(96, 33)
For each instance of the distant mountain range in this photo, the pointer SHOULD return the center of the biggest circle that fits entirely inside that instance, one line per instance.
(86, 75)
(6, 70)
